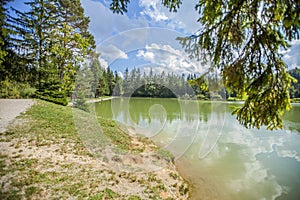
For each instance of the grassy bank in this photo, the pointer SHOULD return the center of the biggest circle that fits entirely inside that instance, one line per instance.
(43, 157)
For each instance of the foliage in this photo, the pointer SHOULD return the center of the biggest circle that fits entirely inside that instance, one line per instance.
(154, 85)
(245, 46)
(3, 31)
(242, 39)
(10, 89)
(120, 6)
(295, 86)
(50, 41)
(80, 91)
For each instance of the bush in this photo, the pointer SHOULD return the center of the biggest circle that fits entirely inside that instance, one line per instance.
(27, 91)
(52, 91)
(15, 90)
(53, 96)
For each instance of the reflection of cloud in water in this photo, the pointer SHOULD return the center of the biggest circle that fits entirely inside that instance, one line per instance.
(289, 153)
(242, 146)
(239, 162)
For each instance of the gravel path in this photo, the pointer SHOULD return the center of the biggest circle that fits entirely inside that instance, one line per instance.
(10, 109)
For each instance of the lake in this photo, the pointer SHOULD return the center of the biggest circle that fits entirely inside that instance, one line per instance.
(219, 157)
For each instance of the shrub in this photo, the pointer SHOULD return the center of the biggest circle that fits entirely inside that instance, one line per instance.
(12, 89)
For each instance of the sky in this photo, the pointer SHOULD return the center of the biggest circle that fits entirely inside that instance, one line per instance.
(145, 36)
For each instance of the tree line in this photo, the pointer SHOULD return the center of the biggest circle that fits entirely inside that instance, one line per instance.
(134, 83)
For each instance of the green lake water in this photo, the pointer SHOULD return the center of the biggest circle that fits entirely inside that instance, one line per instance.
(219, 157)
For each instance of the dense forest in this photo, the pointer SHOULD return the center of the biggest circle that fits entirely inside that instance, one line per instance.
(47, 52)
(134, 83)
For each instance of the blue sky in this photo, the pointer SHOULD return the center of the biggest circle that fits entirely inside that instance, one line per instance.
(146, 36)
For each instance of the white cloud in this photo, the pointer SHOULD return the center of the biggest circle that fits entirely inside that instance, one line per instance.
(292, 55)
(111, 53)
(103, 62)
(120, 74)
(185, 18)
(168, 59)
(289, 154)
(152, 8)
(295, 42)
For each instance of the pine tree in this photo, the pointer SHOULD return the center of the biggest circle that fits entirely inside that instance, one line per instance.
(126, 83)
(96, 70)
(53, 39)
(3, 32)
(118, 90)
(103, 88)
(31, 36)
(110, 80)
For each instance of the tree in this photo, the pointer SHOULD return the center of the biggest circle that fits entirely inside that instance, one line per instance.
(295, 89)
(28, 38)
(3, 31)
(72, 41)
(96, 71)
(110, 80)
(52, 39)
(103, 88)
(127, 85)
(118, 90)
(242, 39)
(8, 58)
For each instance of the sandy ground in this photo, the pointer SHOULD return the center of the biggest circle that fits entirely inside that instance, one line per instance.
(10, 109)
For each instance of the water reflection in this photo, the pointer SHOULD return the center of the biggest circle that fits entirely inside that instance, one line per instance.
(221, 158)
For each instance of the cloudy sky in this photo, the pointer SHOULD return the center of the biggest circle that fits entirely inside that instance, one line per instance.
(145, 37)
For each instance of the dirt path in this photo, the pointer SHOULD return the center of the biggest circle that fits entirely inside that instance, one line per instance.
(10, 109)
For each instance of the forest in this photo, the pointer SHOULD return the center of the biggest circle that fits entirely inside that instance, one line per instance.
(44, 49)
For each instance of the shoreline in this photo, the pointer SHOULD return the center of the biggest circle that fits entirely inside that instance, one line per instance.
(100, 99)
(43, 157)
(93, 100)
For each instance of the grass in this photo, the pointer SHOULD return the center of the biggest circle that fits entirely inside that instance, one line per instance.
(115, 134)
(66, 172)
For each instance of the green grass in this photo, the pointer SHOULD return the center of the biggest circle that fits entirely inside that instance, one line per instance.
(117, 136)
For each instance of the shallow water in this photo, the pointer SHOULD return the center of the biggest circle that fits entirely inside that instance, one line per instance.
(222, 159)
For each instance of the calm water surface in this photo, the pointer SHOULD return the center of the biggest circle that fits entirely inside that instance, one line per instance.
(221, 159)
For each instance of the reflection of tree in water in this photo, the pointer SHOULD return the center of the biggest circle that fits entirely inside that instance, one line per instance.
(103, 109)
(136, 110)
(291, 119)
